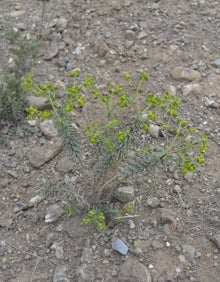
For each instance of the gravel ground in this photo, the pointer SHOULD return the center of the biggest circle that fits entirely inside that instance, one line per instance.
(175, 232)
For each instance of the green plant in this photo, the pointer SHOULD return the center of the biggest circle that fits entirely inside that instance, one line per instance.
(115, 137)
(12, 93)
(95, 217)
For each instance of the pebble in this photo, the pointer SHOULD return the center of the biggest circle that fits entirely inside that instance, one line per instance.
(120, 247)
(61, 24)
(142, 35)
(172, 90)
(177, 189)
(167, 216)
(51, 237)
(154, 130)
(181, 73)
(53, 212)
(4, 182)
(51, 52)
(216, 63)
(87, 255)
(193, 89)
(58, 250)
(79, 49)
(20, 207)
(64, 165)
(48, 128)
(131, 224)
(107, 253)
(189, 252)
(125, 194)
(37, 199)
(15, 14)
(153, 202)
(60, 274)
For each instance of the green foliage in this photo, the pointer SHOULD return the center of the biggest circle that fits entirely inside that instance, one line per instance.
(114, 141)
(12, 93)
(23, 51)
(22, 130)
(96, 218)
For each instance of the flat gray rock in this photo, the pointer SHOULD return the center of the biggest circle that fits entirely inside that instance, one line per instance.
(40, 155)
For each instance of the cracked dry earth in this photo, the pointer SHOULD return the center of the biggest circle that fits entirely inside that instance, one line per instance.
(175, 234)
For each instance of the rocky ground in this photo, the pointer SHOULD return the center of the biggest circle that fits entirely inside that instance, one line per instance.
(174, 234)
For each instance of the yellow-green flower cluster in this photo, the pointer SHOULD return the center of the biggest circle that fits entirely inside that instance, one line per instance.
(123, 134)
(32, 113)
(92, 132)
(95, 217)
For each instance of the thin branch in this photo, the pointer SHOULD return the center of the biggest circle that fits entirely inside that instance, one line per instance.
(126, 216)
(32, 274)
(106, 183)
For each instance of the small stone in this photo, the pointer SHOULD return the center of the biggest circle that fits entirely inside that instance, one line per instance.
(4, 182)
(154, 130)
(172, 90)
(125, 194)
(51, 238)
(107, 253)
(60, 277)
(177, 189)
(120, 247)
(189, 252)
(64, 165)
(37, 199)
(129, 43)
(58, 250)
(155, 6)
(60, 274)
(216, 63)
(48, 128)
(41, 103)
(11, 152)
(142, 35)
(51, 52)
(15, 14)
(85, 273)
(20, 207)
(132, 270)
(21, 26)
(130, 35)
(31, 217)
(87, 255)
(79, 49)
(61, 24)
(180, 73)
(167, 216)
(153, 202)
(192, 89)
(210, 103)
(131, 224)
(53, 213)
